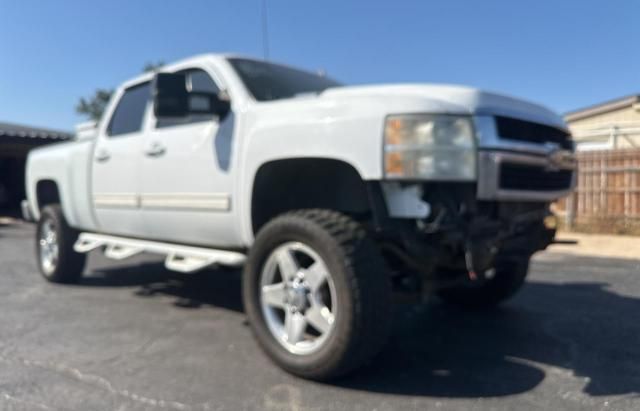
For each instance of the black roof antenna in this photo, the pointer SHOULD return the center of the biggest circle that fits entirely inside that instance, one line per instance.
(265, 31)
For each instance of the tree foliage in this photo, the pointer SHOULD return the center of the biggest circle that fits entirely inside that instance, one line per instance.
(150, 67)
(93, 106)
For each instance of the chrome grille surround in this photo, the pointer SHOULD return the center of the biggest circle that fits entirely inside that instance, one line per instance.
(493, 151)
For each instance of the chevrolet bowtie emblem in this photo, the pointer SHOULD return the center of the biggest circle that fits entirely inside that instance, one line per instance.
(562, 159)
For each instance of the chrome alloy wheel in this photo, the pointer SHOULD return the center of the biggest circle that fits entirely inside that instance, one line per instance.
(49, 249)
(298, 298)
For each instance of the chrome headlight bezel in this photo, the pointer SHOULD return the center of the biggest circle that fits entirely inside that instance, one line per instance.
(429, 146)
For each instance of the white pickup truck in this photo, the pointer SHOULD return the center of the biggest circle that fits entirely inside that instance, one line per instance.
(330, 196)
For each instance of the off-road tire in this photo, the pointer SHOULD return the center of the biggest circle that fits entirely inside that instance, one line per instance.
(362, 286)
(70, 264)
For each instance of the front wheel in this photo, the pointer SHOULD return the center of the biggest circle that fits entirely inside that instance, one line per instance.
(57, 260)
(317, 293)
(501, 283)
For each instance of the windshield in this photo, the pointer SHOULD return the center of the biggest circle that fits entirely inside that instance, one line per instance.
(268, 81)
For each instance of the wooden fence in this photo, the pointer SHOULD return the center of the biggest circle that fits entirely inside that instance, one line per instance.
(608, 187)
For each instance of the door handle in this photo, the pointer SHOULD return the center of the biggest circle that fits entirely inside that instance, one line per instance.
(155, 150)
(102, 156)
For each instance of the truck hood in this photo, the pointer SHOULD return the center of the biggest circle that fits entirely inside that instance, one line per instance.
(451, 99)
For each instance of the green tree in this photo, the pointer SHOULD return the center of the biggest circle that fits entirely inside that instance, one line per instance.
(93, 107)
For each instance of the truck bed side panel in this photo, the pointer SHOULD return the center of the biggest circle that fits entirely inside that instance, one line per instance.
(69, 166)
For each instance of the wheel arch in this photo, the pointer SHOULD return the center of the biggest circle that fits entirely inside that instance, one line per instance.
(306, 182)
(47, 192)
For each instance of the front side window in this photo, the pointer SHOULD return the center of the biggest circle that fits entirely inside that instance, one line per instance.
(268, 81)
(197, 81)
(129, 113)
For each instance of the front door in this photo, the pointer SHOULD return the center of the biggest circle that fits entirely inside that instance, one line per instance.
(186, 183)
(116, 164)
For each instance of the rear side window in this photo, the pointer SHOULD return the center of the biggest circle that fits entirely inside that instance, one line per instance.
(129, 113)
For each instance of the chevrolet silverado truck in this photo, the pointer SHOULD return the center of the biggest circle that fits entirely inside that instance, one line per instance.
(329, 197)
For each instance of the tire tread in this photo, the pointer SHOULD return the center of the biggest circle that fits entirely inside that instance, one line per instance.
(369, 283)
(70, 263)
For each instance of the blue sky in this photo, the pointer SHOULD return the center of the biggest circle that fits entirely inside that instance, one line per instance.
(564, 54)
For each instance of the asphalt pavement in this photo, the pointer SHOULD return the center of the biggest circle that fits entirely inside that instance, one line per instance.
(133, 336)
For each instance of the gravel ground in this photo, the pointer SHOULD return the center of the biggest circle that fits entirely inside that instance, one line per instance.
(132, 336)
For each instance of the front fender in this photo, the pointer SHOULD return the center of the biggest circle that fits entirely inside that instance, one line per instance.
(357, 143)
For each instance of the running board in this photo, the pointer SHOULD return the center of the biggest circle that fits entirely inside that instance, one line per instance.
(185, 259)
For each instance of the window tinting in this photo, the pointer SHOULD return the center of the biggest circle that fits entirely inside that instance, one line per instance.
(197, 81)
(129, 114)
(200, 81)
(268, 81)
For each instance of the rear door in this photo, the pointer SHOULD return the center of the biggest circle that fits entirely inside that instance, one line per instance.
(117, 163)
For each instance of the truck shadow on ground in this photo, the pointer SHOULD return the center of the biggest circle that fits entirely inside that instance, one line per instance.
(219, 288)
(580, 329)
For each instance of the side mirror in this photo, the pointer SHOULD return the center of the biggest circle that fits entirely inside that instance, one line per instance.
(171, 98)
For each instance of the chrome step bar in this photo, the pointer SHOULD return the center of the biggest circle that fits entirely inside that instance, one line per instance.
(185, 259)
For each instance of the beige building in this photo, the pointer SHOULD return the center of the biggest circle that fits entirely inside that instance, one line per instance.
(609, 125)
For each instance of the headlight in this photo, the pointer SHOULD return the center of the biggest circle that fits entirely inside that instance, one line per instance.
(429, 146)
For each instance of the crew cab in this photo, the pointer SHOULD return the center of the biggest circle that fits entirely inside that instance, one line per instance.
(330, 197)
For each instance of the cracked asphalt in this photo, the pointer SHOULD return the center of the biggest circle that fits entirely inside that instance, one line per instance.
(133, 336)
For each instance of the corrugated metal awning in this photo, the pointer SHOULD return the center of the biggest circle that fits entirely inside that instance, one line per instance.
(19, 131)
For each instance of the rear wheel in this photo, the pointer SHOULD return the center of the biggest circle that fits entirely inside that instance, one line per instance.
(57, 260)
(500, 283)
(317, 293)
